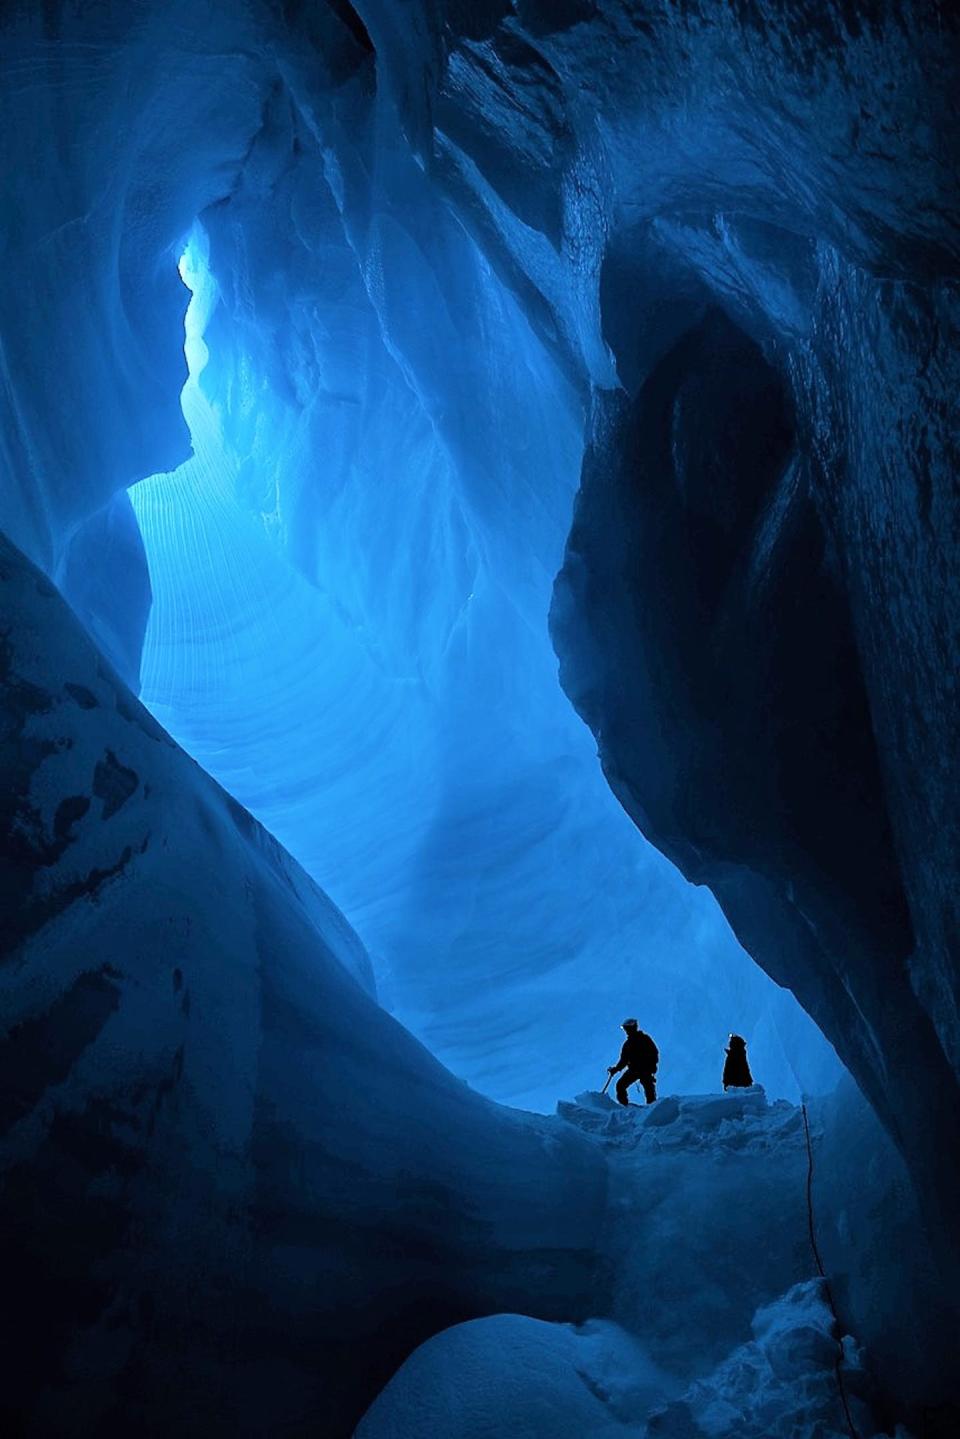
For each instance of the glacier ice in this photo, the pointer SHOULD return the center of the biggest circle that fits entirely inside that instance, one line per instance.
(415, 751)
(222, 1160)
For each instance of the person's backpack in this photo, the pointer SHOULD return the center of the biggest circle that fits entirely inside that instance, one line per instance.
(649, 1051)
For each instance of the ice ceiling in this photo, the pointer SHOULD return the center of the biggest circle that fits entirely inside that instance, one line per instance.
(351, 582)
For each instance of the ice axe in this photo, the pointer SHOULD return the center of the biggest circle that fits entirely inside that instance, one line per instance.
(604, 1089)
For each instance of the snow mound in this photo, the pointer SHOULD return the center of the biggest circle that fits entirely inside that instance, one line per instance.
(510, 1375)
(739, 1120)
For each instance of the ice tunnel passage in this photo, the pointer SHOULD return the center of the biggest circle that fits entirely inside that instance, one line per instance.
(511, 909)
(473, 261)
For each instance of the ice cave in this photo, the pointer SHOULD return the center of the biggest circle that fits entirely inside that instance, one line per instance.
(478, 540)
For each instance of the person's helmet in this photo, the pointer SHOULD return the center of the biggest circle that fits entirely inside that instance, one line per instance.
(629, 1024)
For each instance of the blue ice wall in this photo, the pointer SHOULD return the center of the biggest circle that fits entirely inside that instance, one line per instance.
(351, 580)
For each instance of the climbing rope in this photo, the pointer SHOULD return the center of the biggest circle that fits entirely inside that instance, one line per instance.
(838, 1362)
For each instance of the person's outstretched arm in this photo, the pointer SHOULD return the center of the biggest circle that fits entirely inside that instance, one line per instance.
(621, 1062)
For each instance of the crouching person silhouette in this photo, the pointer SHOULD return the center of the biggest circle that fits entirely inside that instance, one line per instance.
(638, 1060)
(736, 1066)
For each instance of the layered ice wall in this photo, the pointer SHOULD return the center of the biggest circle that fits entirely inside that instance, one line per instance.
(351, 581)
(214, 1222)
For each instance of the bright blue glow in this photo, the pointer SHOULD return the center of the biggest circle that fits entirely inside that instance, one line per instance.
(194, 271)
(351, 581)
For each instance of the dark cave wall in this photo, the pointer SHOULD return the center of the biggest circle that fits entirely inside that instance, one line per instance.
(865, 1210)
(888, 456)
(784, 727)
(757, 616)
(764, 640)
(804, 712)
(708, 637)
(234, 1193)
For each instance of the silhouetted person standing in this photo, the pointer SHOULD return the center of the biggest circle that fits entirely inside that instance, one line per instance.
(736, 1069)
(639, 1058)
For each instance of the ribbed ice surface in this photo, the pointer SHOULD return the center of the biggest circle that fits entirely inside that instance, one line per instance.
(379, 689)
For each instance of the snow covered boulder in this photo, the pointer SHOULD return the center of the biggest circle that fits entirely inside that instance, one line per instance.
(509, 1375)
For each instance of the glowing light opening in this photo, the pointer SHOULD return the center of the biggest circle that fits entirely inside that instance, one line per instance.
(194, 270)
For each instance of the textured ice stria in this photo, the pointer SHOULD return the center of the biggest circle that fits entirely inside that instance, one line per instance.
(357, 647)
